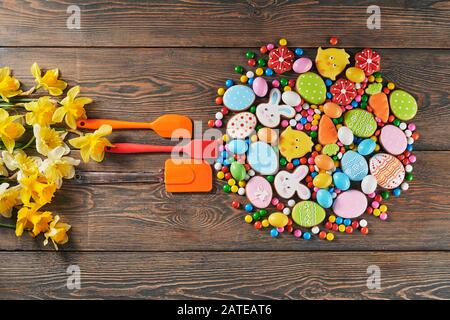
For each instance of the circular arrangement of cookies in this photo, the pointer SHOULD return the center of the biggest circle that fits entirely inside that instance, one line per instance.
(312, 146)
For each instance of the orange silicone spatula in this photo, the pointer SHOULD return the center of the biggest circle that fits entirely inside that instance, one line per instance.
(197, 149)
(167, 126)
(187, 176)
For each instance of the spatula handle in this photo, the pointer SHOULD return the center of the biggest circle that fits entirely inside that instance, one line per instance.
(138, 148)
(115, 124)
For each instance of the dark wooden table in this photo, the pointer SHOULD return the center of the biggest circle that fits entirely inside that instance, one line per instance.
(140, 59)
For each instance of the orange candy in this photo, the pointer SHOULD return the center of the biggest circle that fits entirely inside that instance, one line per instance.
(324, 162)
(332, 110)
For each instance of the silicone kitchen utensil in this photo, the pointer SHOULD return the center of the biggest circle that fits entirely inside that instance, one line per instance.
(167, 126)
(187, 176)
(197, 149)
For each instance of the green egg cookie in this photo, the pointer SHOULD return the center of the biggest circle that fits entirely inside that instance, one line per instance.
(403, 105)
(311, 87)
(361, 122)
(308, 214)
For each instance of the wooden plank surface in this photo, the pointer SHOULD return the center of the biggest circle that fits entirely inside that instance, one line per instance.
(111, 211)
(223, 23)
(140, 59)
(141, 84)
(226, 275)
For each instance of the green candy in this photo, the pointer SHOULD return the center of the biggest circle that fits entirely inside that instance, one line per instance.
(238, 171)
(311, 87)
(308, 214)
(374, 88)
(361, 122)
(403, 105)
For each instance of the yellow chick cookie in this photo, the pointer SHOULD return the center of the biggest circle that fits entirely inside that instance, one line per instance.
(331, 62)
(294, 144)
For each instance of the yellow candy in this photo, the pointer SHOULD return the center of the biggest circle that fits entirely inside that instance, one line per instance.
(376, 212)
(332, 219)
(330, 236)
(282, 42)
(377, 148)
(221, 91)
(244, 79)
(318, 147)
(383, 208)
(371, 78)
(220, 175)
(225, 138)
(316, 116)
(259, 71)
(234, 189)
(248, 218)
(313, 106)
(254, 138)
(314, 123)
(379, 79)
(391, 86)
(231, 182)
(341, 228)
(287, 88)
(242, 183)
(265, 223)
(322, 180)
(278, 219)
(355, 74)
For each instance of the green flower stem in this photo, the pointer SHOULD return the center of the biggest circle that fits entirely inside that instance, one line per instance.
(3, 225)
(28, 143)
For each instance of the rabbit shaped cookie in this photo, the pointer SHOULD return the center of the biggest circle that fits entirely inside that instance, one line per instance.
(286, 183)
(269, 114)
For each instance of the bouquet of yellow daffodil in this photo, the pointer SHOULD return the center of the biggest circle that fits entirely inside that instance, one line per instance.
(30, 180)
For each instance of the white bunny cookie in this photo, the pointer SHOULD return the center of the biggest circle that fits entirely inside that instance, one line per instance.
(269, 114)
(286, 183)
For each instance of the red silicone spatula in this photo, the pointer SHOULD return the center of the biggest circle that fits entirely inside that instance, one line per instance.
(196, 149)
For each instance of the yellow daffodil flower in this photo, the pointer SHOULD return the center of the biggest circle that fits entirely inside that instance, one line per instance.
(19, 160)
(48, 139)
(9, 197)
(3, 170)
(9, 129)
(9, 86)
(92, 145)
(56, 166)
(24, 216)
(40, 221)
(49, 81)
(57, 232)
(38, 188)
(41, 111)
(72, 108)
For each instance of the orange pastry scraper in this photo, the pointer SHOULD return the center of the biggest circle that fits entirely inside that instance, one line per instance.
(187, 176)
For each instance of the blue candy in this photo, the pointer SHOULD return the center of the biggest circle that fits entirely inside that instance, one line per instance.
(341, 181)
(366, 147)
(324, 198)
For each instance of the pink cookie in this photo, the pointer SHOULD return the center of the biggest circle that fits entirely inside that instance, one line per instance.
(387, 169)
(393, 139)
(350, 204)
(241, 125)
(259, 192)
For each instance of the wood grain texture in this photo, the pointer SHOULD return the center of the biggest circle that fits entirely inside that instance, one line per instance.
(226, 275)
(110, 211)
(223, 23)
(141, 84)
